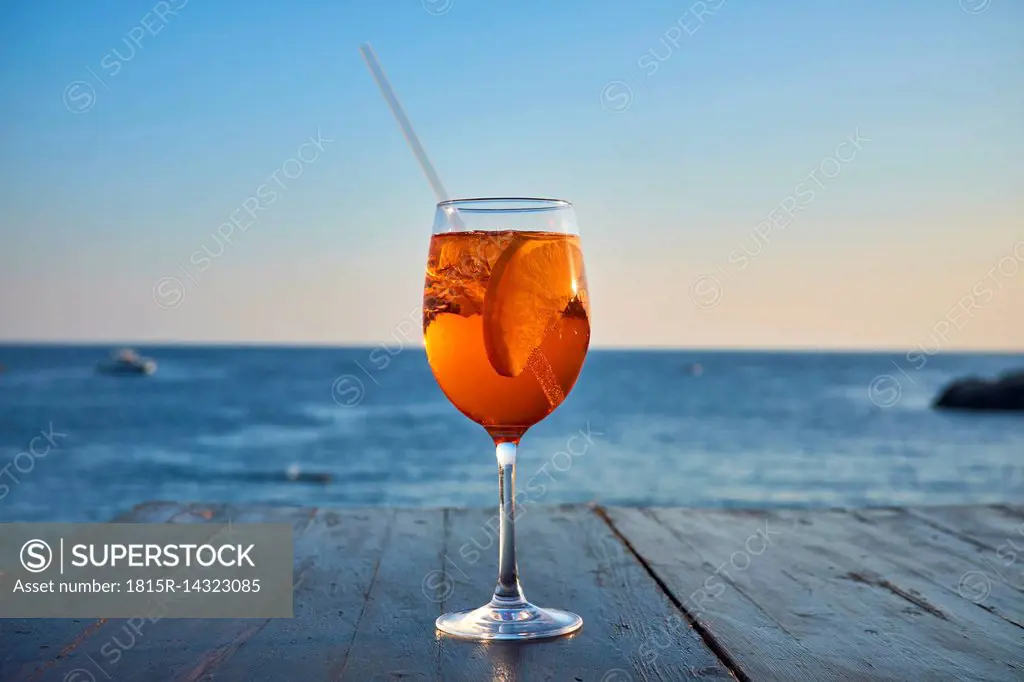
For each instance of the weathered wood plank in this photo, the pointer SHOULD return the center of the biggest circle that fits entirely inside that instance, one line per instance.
(340, 555)
(31, 643)
(987, 527)
(569, 559)
(757, 646)
(893, 551)
(874, 594)
(990, 579)
(841, 602)
(395, 637)
(162, 648)
(904, 635)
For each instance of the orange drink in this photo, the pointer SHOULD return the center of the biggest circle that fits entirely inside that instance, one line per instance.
(506, 323)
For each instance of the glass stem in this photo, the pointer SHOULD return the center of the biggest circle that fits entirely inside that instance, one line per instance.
(508, 593)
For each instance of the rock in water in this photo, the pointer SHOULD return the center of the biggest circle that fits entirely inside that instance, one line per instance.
(1004, 394)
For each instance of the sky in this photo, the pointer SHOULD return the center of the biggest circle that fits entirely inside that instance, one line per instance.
(797, 174)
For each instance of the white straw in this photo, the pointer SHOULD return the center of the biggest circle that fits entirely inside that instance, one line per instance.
(403, 121)
(541, 369)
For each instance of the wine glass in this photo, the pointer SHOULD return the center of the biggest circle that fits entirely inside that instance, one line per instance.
(506, 324)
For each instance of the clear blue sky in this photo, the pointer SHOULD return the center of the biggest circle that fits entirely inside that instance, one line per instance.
(123, 151)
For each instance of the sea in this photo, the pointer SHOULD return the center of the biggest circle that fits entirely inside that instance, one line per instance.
(369, 427)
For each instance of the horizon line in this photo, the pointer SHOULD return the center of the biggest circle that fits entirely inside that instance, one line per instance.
(298, 345)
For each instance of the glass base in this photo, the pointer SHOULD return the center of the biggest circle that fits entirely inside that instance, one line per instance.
(522, 621)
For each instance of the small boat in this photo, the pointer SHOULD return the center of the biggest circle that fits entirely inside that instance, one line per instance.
(127, 361)
(295, 473)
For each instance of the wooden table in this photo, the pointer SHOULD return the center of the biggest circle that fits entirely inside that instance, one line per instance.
(665, 594)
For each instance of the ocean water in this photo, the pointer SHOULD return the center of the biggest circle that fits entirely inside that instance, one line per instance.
(753, 429)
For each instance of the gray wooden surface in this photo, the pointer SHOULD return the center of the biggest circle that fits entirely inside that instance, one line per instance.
(665, 594)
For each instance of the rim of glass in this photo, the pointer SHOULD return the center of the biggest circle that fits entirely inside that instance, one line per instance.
(504, 204)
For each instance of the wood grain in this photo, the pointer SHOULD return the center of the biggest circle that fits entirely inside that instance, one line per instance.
(665, 594)
(569, 559)
(162, 648)
(990, 579)
(29, 644)
(846, 605)
(395, 638)
(338, 558)
(751, 638)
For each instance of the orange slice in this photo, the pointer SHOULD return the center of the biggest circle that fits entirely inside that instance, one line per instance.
(530, 286)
